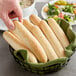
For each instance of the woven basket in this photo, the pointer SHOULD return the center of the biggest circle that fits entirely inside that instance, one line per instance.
(21, 56)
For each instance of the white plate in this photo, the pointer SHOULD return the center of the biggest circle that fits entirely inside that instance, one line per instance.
(44, 15)
(3, 27)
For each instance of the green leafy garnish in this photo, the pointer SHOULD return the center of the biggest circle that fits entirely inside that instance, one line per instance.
(68, 8)
(68, 18)
(53, 10)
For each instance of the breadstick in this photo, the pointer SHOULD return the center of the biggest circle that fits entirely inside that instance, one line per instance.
(17, 45)
(58, 32)
(41, 38)
(30, 41)
(35, 19)
(49, 34)
(52, 38)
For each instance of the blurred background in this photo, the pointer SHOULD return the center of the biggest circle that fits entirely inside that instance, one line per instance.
(52, 0)
(42, 0)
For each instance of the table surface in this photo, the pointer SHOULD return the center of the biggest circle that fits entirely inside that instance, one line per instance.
(8, 67)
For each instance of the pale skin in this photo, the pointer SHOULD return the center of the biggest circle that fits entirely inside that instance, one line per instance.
(10, 9)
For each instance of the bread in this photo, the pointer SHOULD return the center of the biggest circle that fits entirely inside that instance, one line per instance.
(35, 30)
(17, 45)
(52, 38)
(30, 41)
(49, 34)
(58, 32)
(35, 19)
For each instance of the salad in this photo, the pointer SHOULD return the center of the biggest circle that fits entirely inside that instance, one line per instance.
(61, 9)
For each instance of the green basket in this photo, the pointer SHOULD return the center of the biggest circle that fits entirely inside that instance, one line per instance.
(21, 56)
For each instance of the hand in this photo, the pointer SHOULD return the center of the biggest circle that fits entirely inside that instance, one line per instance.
(10, 9)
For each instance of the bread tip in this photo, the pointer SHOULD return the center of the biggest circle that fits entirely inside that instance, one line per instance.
(51, 19)
(45, 60)
(43, 22)
(25, 20)
(4, 33)
(32, 15)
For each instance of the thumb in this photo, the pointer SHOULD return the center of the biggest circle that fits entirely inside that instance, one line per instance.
(8, 22)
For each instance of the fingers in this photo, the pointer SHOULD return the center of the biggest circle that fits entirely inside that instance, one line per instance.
(8, 22)
(8, 15)
(18, 12)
